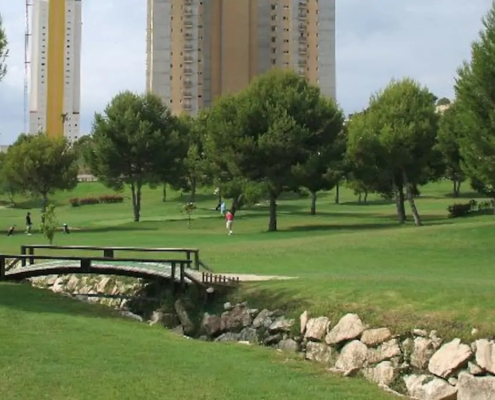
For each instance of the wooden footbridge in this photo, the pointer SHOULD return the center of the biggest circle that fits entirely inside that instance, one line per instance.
(184, 269)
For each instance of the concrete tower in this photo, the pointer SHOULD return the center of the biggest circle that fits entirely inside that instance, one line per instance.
(198, 50)
(56, 68)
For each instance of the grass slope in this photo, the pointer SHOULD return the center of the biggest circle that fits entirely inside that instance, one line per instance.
(349, 257)
(55, 348)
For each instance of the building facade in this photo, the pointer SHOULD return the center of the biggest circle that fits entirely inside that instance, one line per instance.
(198, 50)
(56, 68)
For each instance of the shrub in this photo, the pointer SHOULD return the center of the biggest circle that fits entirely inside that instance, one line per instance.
(111, 199)
(74, 202)
(105, 199)
(88, 200)
(463, 209)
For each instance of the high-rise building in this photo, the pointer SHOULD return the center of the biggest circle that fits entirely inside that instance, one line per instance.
(55, 68)
(198, 50)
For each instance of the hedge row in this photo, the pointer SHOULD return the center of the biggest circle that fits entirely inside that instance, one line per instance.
(107, 199)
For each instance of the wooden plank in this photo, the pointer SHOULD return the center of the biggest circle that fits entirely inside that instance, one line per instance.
(116, 260)
(115, 248)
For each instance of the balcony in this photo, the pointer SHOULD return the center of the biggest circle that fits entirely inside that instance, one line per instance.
(188, 59)
(188, 71)
(187, 94)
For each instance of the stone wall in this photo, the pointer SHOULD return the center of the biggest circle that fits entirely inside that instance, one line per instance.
(420, 365)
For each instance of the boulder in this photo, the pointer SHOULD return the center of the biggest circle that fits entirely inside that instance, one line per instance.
(474, 369)
(130, 315)
(316, 328)
(228, 306)
(289, 345)
(485, 355)
(236, 319)
(72, 283)
(102, 285)
(303, 320)
(449, 358)
(423, 349)
(261, 318)
(228, 337)
(475, 388)
(349, 327)
(352, 357)
(211, 325)
(249, 335)
(319, 352)
(281, 324)
(424, 387)
(273, 339)
(374, 337)
(386, 351)
(156, 317)
(383, 374)
(419, 332)
(184, 318)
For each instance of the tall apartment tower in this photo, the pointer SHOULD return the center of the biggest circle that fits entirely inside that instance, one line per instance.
(55, 68)
(198, 50)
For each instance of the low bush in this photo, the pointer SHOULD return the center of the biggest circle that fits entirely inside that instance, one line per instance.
(463, 209)
(106, 199)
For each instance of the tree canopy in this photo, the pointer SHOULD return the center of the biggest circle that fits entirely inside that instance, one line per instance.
(475, 101)
(4, 52)
(260, 134)
(134, 142)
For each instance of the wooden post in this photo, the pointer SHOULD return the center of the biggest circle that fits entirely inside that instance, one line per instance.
(23, 252)
(182, 278)
(86, 264)
(108, 253)
(31, 253)
(196, 260)
(2, 268)
(172, 278)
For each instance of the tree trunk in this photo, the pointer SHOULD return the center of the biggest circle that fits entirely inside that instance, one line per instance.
(192, 197)
(136, 200)
(313, 203)
(359, 198)
(365, 196)
(44, 202)
(337, 193)
(272, 225)
(164, 192)
(399, 202)
(457, 187)
(410, 198)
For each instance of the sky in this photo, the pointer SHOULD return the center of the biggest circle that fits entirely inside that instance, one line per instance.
(377, 40)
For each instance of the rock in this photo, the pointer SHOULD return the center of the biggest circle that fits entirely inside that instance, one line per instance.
(474, 331)
(452, 381)
(383, 374)
(179, 330)
(183, 315)
(260, 319)
(267, 322)
(423, 349)
(386, 351)
(130, 315)
(485, 355)
(249, 335)
(435, 340)
(474, 369)
(281, 324)
(156, 317)
(425, 387)
(72, 283)
(352, 357)
(170, 320)
(449, 358)
(419, 332)
(319, 352)
(472, 388)
(211, 325)
(58, 286)
(374, 337)
(253, 312)
(316, 328)
(289, 345)
(236, 319)
(273, 339)
(102, 285)
(349, 327)
(228, 306)
(303, 320)
(228, 337)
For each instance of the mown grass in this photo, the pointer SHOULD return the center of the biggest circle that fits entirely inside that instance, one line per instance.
(56, 348)
(349, 257)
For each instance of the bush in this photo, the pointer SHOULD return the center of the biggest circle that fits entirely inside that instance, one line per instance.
(105, 199)
(463, 209)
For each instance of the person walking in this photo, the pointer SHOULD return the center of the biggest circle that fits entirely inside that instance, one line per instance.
(223, 208)
(29, 224)
(230, 222)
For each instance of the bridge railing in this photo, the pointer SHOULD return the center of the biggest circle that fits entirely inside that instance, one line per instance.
(108, 252)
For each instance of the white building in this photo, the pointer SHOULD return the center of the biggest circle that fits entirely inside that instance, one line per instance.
(56, 68)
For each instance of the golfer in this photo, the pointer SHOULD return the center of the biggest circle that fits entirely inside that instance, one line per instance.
(230, 221)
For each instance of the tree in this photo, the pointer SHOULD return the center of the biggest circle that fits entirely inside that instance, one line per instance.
(260, 133)
(475, 101)
(40, 165)
(133, 143)
(81, 147)
(7, 186)
(396, 135)
(444, 101)
(4, 52)
(448, 137)
(49, 225)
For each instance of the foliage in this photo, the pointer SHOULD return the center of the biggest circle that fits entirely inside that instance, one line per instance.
(444, 101)
(449, 134)
(81, 147)
(40, 165)
(259, 134)
(475, 99)
(7, 186)
(4, 52)
(50, 223)
(188, 209)
(462, 209)
(395, 138)
(133, 143)
(105, 199)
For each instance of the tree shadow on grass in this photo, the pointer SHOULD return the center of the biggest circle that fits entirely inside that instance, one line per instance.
(467, 195)
(343, 227)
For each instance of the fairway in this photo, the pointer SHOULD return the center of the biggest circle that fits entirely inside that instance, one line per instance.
(349, 257)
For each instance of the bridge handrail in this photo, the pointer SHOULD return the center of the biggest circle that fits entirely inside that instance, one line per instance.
(108, 251)
(94, 258)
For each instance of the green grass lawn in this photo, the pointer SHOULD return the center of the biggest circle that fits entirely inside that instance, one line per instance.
(349, 257)
(56, 348)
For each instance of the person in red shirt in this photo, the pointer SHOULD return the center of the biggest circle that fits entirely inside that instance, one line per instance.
(229, 216)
